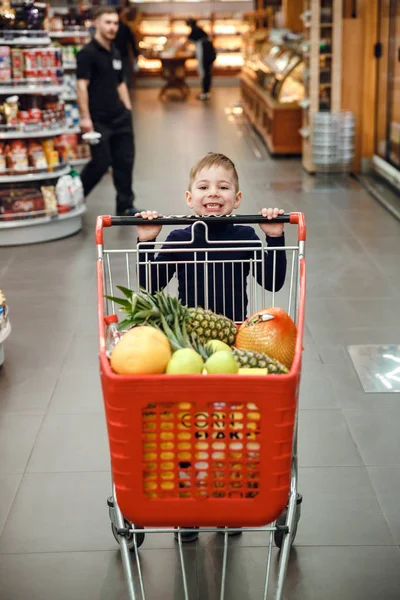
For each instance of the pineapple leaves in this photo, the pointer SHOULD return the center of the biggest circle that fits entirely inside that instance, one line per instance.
(121, 301)
(126, 291)
(126, 324)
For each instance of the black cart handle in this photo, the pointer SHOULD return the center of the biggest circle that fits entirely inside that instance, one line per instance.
(295, 218)
(188, 219)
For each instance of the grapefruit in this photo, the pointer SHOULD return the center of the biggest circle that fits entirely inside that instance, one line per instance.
(141, 350)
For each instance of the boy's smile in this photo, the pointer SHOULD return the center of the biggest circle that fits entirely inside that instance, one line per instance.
(214, 192)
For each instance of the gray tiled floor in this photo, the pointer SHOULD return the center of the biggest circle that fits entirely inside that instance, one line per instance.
(55, 539)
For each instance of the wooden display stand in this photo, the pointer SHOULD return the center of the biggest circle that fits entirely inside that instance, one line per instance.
(278, 124)
(174, 72)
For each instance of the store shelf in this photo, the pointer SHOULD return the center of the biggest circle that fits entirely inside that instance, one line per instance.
(70, 66)
(42, 229)
(24, 38)
(17, 134)
(36, 176)
(69, 98)
(79, 162)
(33, 88)
(5, 332)
(56, 35)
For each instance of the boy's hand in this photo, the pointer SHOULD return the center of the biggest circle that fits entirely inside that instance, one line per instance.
(148, 232)
(272, 229)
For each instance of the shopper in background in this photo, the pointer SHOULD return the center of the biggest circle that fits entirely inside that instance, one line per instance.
(105, 107)
(205, 54)
(125, 42)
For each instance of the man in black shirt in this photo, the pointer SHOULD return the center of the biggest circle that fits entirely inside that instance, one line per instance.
(105, 107)
(205, 54)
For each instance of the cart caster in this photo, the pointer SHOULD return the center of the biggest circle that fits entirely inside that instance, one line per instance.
(130, 537)
(281, 522)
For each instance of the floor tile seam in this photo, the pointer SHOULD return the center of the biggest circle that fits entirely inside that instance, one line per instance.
(34, 442)
(108, 471)
(366, 465)
(13, 501)
(380, 498)
(76, 414)
(196, 550)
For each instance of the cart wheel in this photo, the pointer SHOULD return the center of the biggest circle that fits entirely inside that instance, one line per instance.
(130, 538)
(281, 521)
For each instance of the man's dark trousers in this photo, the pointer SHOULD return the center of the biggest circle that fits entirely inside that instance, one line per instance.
(117, 150)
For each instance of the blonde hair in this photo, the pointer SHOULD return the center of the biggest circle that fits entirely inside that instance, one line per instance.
(213, 159)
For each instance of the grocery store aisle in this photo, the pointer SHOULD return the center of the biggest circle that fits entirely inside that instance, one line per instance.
(55, 539)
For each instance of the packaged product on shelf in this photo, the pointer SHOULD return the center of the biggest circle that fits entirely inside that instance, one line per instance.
(36, 155)
(52, 156)
(3, 165)
(17, 62)
(29, 15)
(29, 62)
(70, 85)
(66, 145)
(9, 110)
(83, 151)
(7, 15)
(50, 199)
(65, 199)
(78, 196)
(17, 156)
(21, 202)
(5, 63)
(61, 146)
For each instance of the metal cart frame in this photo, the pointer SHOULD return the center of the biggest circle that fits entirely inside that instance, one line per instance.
(284, 526)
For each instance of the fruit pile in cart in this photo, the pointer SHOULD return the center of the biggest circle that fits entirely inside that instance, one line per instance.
(159, 334)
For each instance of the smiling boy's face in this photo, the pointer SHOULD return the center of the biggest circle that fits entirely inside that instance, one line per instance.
(213, 192)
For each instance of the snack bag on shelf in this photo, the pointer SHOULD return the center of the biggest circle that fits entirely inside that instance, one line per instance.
(25, 202)
(36, 155)
(65, 201)
(17, 61)
(77, 189)
(17, 156)
(50, 199)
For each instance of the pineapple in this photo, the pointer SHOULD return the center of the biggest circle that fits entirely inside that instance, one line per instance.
(145, 308)
(258, 360)
(205, 325)
(188, 327)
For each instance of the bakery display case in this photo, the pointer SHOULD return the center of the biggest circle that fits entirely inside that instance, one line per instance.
(272, 85)
(163, 35)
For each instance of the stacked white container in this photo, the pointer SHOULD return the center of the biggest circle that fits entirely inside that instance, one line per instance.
(333, 141)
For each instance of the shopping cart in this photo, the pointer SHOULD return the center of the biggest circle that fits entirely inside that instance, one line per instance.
(195, 450)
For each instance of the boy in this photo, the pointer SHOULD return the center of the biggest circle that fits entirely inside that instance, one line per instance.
(213, 190)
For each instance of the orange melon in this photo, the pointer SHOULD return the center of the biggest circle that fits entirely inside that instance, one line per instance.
(270, 330)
